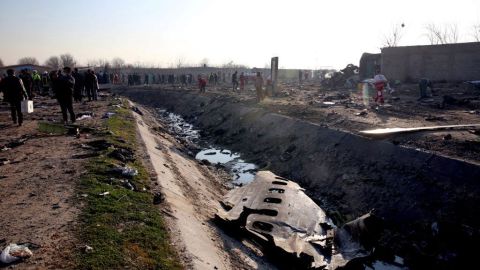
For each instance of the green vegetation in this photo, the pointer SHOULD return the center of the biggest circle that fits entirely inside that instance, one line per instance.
(124, 228)
(52, 128)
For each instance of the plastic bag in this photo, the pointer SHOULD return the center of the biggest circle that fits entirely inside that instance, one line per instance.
(14, 252)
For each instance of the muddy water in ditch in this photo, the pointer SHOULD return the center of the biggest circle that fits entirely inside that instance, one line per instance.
(242, 172)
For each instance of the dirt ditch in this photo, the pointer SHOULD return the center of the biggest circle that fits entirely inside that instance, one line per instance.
(428, 201)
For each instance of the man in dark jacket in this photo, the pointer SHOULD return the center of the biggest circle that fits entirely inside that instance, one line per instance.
(79, 85)
(64, 94)
(14, 92)
(27, 82)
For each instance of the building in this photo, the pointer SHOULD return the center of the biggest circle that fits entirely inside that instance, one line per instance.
(18, 68)
(446, 62)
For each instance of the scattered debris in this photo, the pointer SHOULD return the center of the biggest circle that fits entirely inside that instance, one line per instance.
(104, 193)
(99, 144)
(362, 113)
(125, 171)
(435, 118)
(328, 103)
(392, 131)
(4, 161)
(13, 253)
(108, 115)
(84, 115)
(87, 249)
(15, 143)
(137, 110)
(158, 198)
(122, 154)
(278, 212)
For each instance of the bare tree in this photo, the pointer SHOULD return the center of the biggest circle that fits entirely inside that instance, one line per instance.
(393, 38)
(67, 60)
(180, 62)
(118, 63)
(53, 62)
(476, 32)
(28, 61)
(442, 35)
(1, 63)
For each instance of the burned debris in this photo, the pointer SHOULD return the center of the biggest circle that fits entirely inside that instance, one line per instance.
(279, 213)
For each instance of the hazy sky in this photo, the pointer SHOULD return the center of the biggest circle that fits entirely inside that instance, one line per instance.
(303, 33)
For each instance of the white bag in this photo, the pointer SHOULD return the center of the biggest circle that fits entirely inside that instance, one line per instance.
(14, 252)
(27, 106)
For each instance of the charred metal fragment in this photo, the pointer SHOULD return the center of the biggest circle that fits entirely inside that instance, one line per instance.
(277, 211)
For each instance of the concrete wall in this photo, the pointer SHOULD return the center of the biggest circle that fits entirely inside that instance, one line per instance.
(450, 62)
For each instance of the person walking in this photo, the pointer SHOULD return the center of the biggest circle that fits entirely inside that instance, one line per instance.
(79, 85)
(65, 85)
(258, 87)
(234, 81)
(27, 82)
(14, 93)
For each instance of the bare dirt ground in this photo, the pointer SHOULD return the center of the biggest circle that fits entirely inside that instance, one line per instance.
(37, 187)
(402, 109)
(192, 192)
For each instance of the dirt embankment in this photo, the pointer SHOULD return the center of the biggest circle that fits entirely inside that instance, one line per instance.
(192, 193)
(427, 200)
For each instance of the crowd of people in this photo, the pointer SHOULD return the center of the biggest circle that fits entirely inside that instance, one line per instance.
(64, 85)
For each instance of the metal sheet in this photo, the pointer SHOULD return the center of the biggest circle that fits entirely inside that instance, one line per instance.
(278, 210)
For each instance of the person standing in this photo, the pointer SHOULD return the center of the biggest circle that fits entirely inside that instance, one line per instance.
(14, 93)
(379, 81)
(27, 82)
(89, 80)
(37, 80)
(423, 85)
(202, 83)
(64, 93)
(234, 81)
(79, 85)
(95, 86)
(242, 81)
(258, 87)
(45, 83)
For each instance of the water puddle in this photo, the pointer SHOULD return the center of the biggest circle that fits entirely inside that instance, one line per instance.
(243, 172)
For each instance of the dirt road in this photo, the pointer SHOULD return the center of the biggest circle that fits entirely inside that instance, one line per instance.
(38, 203)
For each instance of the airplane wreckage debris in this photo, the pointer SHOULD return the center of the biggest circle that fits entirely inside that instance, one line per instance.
(278, 212)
